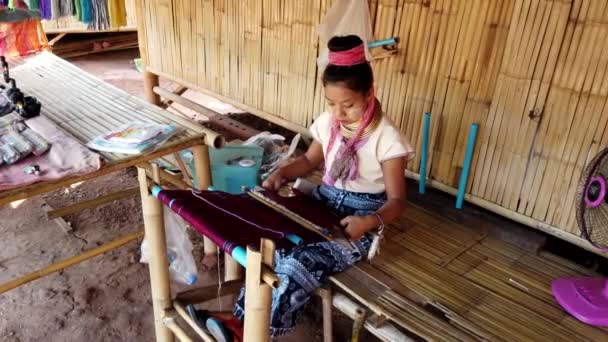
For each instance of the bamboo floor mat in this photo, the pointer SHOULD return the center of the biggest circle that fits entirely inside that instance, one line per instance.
(448, 281)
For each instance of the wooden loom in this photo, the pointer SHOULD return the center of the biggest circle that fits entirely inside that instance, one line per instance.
(332, 233)
(259, 277)
(258, 282)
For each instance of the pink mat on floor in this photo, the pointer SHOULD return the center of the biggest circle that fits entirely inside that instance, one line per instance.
(66, 157)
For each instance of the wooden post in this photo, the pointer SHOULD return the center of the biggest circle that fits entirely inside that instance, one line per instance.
(151, 81)
(202, 166)
(159, 272)
(171, 323)
(232, 269)
(258, 294)
(98, 201)
(202, 175)
(326, 297)
(358, 323)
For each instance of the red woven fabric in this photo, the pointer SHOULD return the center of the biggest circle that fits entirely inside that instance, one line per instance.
(207, 211)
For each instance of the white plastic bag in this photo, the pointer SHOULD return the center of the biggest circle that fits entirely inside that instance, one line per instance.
(269, 142)
(275, 152)
(182, 267)
(344, 18)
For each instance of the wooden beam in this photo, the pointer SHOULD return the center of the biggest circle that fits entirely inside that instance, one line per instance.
(170, 96)
(56, 38)
(241, 130)
(183, 169)
(71, 261)
(180, 90)
(78, 30)
(166, 177)
(43, 187)
(61, 212)
(265, 115)
(181, 310)
(58, 220)
(207, 293)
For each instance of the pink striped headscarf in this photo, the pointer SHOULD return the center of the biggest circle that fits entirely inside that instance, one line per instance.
(350, 57)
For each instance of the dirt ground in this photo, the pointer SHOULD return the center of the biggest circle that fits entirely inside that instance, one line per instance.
(106, 298)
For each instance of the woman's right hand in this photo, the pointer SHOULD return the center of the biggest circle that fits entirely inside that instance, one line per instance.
(274, 181)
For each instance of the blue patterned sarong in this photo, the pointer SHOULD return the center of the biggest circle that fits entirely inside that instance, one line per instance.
(305, 268)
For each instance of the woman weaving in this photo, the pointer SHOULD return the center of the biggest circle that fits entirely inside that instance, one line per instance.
(365, 156)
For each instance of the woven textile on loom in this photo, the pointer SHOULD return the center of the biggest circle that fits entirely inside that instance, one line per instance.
(240, 220)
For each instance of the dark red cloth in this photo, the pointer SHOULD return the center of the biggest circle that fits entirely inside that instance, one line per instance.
(228, 231)
(307, 207)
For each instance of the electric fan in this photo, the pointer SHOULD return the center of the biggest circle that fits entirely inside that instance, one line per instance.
(587, 298)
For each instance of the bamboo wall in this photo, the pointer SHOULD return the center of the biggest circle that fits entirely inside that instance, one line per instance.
(72, 25)
(532, 73)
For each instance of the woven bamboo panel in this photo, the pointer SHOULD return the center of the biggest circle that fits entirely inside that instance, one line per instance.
(72, 25)
(87, 106)
(486, 290)
(83, 106)
(531, 73)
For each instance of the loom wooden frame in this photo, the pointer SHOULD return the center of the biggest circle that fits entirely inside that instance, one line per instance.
(259, 292)
(259, 262)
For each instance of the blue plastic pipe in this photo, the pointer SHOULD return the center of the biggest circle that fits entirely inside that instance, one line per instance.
(296, 240)
(467, 165)
(383, 42)
(240, 255)
(426, 123)
(155, 190)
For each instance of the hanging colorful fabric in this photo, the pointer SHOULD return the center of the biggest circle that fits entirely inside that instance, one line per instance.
(55, 9)
(78, 10)
(21, 33)
(99, 11)
(86, 11)
(66, 8)
(118, 13)
(45, 9)
(33, 4)
(15, 4)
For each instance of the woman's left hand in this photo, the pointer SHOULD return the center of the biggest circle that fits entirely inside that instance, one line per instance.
(356, 226)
